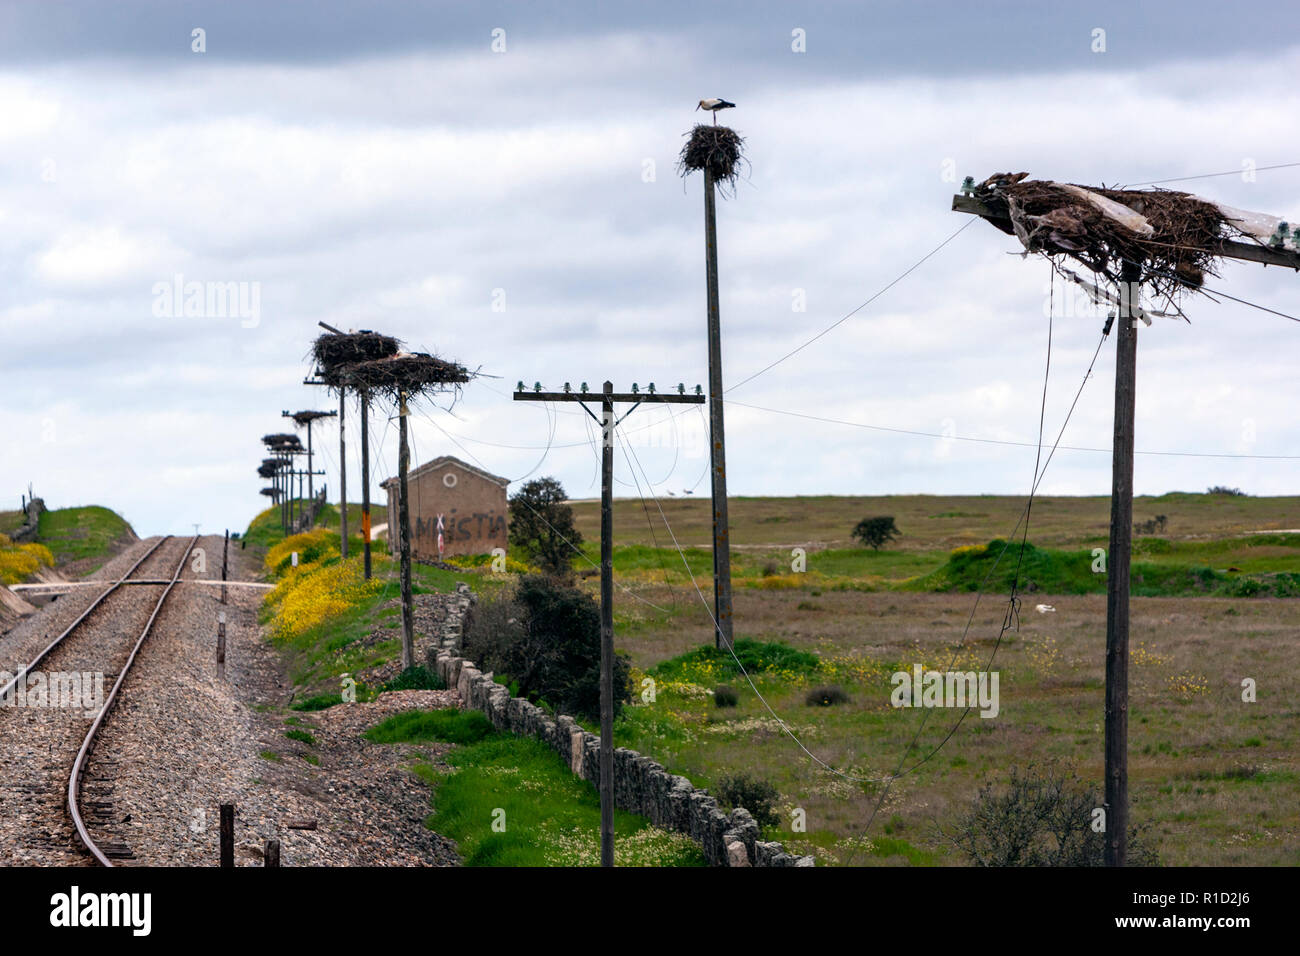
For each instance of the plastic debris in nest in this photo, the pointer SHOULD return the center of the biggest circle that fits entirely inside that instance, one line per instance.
(1174, 235)
(717, 149)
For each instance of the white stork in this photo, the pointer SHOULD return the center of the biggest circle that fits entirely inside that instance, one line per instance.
(713, 106)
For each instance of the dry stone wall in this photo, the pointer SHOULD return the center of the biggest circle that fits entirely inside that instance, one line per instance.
(640, 784)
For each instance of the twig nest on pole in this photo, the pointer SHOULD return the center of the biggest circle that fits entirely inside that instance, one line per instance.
(304, 418)
(413, 373)
(270, 492)
(717, 149)
(268, 469)
(334, 351)
(281, 439)
(1174, 235)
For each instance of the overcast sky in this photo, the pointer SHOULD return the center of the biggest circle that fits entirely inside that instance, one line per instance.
(509, 200)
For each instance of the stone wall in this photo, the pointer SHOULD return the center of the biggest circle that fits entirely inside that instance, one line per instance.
(640, 784)
(31, 528)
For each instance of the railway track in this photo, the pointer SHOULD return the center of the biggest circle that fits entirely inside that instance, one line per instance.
(52, 810)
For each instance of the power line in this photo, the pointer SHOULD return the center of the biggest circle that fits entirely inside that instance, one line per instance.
(578, 551)
(998, 441)
(916, 265)
(1229, 172)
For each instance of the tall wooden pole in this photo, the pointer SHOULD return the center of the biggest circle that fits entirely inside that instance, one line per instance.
(343, 481)
(607, 424)
(311, 488)
(1117, 579)
(404, 519)
(717, 439)
(365, 472)
(607, 627)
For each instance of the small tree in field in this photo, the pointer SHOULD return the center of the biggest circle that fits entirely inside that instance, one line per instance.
(541, 525)
(873, 532)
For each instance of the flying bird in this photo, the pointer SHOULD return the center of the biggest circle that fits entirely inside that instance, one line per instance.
(713, 106)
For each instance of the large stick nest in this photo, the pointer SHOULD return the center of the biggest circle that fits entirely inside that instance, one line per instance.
(1182, 247)
(717, 149)
(282, 442)
(269, 468)
(410, 373)
(270, 492)
(302, 418)
(334, 351)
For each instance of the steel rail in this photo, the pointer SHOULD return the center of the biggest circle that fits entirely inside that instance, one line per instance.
(78, 766)
(22, 674)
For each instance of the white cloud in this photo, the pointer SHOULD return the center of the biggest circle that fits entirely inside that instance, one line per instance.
(398, 193)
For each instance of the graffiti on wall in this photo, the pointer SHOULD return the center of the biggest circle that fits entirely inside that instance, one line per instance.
(476, 526)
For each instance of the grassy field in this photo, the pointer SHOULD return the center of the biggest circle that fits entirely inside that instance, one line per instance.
(511, 801)
(78, 534)
(264, 530)
(1215, 778)
(80, 539)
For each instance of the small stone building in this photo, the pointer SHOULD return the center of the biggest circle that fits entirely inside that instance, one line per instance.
(472, 503)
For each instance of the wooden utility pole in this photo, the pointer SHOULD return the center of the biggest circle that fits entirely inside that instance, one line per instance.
(343, 481)
(343, 458)
(1120, 554)
(365, 472)
(1118, 559)
(717, 439)
(404, 519)
(607, 423)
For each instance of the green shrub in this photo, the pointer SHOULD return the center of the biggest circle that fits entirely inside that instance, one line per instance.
(874, 532)
(541, 525)
(547, 638)
(1042, 817)
(756, 795)
(724, 696)
(756, 657)
(826, 696)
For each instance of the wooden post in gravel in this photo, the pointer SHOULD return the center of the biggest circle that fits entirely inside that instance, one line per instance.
(221, 645)
(227, 834)
(271, 854)
(225, 557)
(404, 521)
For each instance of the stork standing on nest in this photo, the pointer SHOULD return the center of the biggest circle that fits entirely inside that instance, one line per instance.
(713, 106)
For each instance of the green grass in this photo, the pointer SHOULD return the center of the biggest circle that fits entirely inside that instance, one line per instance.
(416, 678)
(74, 534)
(511, 801)
(422, 726)
(264, 530)
(301, 736)
(1160, 568)
(756, 657)
(361, 638)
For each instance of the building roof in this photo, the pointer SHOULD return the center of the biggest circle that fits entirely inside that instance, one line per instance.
(442, 460)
